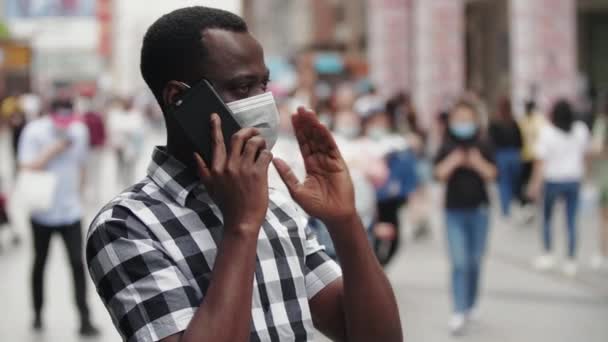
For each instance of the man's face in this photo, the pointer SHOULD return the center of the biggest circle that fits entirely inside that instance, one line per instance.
(235, 64)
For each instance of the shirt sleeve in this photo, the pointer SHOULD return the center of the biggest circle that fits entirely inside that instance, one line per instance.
(145, 293)
(28, 147)
(320, 269)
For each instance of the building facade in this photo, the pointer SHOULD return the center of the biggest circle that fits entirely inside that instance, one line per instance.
(438, 49)
(541, 50)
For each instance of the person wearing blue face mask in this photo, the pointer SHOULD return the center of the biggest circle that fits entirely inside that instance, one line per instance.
(465, 163)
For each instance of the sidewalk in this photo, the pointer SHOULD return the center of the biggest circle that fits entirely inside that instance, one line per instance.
(517, 302)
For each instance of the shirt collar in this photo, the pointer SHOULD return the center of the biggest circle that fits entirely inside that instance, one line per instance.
(171, 175)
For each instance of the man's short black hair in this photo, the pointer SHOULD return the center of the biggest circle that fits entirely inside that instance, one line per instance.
(173, 49)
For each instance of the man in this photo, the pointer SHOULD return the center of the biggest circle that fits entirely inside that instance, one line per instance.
(58, 144)
(231, 259)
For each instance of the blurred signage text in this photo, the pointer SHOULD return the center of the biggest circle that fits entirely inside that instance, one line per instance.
(23, 9)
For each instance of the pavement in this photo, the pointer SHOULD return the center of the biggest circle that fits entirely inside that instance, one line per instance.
(517, 302)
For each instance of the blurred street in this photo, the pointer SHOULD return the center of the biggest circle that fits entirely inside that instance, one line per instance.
(473, 147)
(514, 295)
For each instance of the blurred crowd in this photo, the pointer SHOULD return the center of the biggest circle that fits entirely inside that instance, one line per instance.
(395, 155)
(532, 159)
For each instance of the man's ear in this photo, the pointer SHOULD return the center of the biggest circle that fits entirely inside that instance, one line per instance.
(172, 91)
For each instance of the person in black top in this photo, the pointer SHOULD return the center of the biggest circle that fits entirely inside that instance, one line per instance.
(465, 163)
(506, 138)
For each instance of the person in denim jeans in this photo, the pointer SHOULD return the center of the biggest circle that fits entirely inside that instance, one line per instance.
(465, 163)
(507, 140)
(561, 149)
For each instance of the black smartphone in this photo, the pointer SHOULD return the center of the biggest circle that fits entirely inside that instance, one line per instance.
(193, 110)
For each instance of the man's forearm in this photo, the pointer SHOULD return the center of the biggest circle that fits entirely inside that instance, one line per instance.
(369, 302)
(224, 314)
(41, 162)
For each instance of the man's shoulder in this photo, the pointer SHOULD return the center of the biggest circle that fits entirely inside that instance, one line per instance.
(128, 204)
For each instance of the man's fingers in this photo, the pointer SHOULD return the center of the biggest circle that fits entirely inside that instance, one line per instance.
(252, 147)
(302, 134)
(312, 135)
(203, 170)
(325, 140)
(238, 142)
(287, 175)
(264, 159)
(219, 148)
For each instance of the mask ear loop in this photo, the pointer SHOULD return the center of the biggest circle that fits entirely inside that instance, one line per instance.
(179, 102)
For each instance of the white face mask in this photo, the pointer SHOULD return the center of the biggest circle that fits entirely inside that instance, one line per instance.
(260, 112)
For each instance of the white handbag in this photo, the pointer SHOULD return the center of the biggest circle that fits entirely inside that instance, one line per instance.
(34, 190)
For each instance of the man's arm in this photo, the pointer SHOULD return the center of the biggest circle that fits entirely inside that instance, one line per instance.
(360, 306)
(238, 183)
(227, 302)
(363, 295)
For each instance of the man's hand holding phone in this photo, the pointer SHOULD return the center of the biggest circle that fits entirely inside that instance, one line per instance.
(237, 180)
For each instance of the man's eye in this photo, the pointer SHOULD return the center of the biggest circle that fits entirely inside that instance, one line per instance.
(243, 89)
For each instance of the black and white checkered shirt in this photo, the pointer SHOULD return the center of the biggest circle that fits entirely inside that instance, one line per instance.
(151, 252)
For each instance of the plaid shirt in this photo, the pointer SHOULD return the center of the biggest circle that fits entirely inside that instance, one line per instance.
(151, 252)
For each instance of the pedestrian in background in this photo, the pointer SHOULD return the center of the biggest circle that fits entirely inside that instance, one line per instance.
(406, 120)
(465, 163)
(5, 222)
(530, 125)
(507, 140)
(95, 123)
(600, 176)
(392, 149)
(558, 172)
(58, 143)
(125, 124)
(16, 119)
